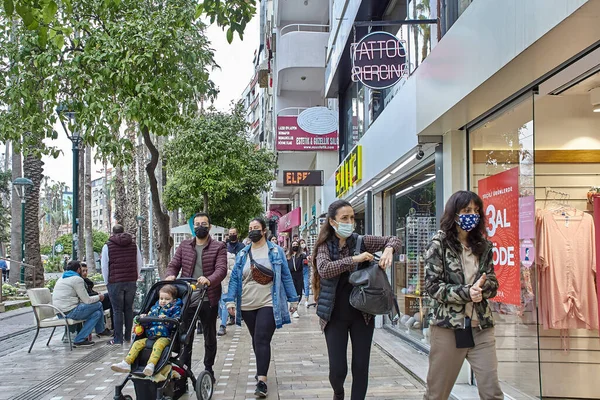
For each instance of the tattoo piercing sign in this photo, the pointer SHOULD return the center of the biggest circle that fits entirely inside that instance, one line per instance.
(379, 60)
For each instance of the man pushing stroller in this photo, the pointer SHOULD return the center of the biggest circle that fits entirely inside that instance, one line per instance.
(167, 306)
(204, 259)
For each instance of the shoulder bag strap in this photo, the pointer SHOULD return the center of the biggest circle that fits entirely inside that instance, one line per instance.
(359, 241)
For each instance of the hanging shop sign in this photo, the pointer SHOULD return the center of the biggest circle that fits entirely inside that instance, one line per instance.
(290, 220)
(349, 173)
(316, 128)
(379, 60)
(303, 178)
(500, 194)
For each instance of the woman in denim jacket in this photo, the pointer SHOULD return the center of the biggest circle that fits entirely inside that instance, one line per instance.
(259, 296)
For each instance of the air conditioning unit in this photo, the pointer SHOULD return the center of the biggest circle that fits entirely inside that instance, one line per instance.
(263, 75)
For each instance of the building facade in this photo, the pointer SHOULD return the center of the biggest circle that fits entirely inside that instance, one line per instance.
(502, 98)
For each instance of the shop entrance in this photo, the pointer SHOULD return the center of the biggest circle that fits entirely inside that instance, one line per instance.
(547, 317)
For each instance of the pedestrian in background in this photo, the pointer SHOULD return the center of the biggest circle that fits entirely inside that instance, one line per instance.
(296, 260)
(70, 297)
(4, 268)
(234, 245)
(334, 261)
(89, 286)
(306, 270)
(460, 278)
(259, 290)
(121, 263)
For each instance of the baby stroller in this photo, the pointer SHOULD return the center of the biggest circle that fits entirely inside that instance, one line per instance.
(175, 354)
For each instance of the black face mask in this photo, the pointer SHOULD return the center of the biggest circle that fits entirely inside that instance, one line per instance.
(201, 231)
(233, 238)
(255, 235)
(295, 248)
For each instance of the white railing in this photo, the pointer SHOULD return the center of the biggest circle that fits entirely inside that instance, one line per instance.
(290, 111)
(314, 28)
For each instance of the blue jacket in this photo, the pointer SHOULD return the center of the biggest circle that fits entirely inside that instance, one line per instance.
(163, 329)
(283, 290)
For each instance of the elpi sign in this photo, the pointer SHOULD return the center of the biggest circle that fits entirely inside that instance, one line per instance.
(379, 60)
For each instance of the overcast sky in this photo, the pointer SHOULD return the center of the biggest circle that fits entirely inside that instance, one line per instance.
(236, 71)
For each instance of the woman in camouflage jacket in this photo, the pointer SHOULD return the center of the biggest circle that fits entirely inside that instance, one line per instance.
(460, 279)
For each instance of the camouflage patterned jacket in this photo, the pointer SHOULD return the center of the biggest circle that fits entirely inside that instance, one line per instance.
(448, 288)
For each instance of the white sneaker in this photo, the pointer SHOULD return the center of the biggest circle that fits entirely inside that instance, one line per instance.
(295, 314)
(121, 367)
(305, 303)
(149, 370)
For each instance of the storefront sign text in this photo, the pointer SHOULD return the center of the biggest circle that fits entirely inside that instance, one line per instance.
(379, 60)
(349, 173)
(303, 178)
(315, 129)
(500, 194)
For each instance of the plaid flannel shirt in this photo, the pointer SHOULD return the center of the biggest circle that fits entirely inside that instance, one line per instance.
(329, 269)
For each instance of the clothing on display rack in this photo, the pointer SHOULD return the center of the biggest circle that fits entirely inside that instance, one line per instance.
(566, 259)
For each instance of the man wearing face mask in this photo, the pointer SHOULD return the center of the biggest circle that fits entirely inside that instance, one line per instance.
(204, 259)
(234, 246)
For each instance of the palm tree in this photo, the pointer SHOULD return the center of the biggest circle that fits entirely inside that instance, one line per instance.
(15, 217)
(33, 168)
(424, 9)
(143, 206)
(87, 212)
(132, 185)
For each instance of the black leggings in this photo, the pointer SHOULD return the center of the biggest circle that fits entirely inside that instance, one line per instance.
(261, 324)
(336, 335)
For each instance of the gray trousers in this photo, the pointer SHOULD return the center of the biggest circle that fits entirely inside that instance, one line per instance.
(445, 362)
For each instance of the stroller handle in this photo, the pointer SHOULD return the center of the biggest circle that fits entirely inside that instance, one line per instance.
(148, 319)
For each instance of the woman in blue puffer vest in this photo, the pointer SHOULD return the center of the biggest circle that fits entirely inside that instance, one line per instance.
(260, 287)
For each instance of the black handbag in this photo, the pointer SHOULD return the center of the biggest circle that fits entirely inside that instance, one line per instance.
(372, 292)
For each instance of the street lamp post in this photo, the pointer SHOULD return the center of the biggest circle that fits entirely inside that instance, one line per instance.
(22, 186)
(75, 137)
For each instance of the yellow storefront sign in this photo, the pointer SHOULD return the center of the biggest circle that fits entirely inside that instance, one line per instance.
(349, 172)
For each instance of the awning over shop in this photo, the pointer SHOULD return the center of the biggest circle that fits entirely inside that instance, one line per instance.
(290, 220)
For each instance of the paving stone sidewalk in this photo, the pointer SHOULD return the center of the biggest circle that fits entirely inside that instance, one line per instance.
(299, 368)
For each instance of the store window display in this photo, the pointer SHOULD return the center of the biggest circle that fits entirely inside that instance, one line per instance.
(415, 224)
(552, 142)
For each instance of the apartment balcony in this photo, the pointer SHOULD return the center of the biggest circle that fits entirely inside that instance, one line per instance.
(301, 11)
(300, 58)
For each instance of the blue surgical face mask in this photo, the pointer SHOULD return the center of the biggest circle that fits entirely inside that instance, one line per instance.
(468, 222)
(344, 230)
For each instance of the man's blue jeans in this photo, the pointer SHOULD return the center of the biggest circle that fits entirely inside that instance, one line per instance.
(223, 313)
(93, 314)
(306, 273)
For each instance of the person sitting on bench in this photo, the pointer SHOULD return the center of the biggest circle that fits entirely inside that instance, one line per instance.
(168, 305)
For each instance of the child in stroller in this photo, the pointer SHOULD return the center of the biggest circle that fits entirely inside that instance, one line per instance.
(170, 378)
(167, 306)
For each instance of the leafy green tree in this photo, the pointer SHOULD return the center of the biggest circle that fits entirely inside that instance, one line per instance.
(111, 62)
(212, 166)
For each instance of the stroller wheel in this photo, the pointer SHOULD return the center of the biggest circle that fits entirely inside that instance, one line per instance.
(127, 397)
(204, 386)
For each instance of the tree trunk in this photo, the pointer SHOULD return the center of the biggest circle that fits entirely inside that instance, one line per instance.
(120, 197)
(205, 202)
(33, 168)
(143, 204)
(15, 218)
(132, 187)
(89, 242)
(107, 200)
(415, 36)
(165, 242)
(81, 205)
